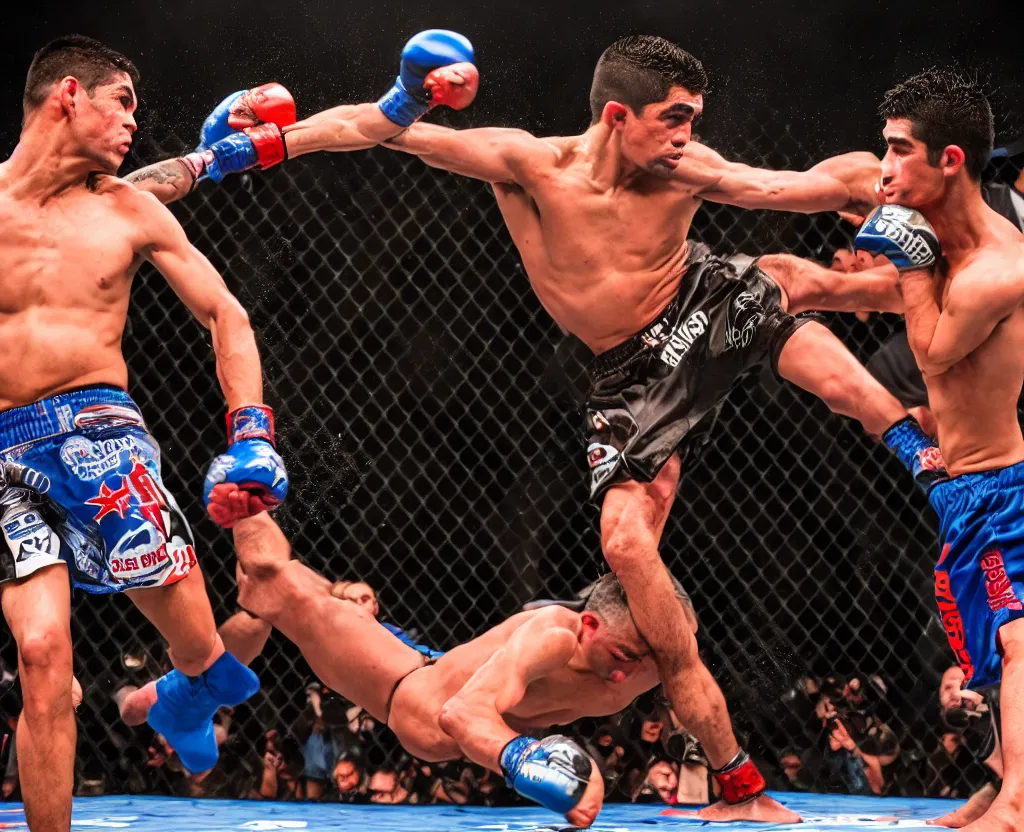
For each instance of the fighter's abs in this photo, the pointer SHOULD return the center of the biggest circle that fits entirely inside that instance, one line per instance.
(603, 264)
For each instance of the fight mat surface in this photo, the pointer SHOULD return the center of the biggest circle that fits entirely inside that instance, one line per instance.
(822, 813)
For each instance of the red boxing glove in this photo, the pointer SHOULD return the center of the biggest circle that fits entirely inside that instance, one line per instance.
(271, 103)
(453, 86)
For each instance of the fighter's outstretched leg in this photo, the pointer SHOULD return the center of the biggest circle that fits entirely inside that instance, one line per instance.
(633, 517)
(816, 360)
(342, 642)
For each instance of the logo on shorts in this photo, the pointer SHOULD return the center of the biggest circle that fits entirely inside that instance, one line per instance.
(953, 623)
(139, 487)
(683, 337)
(600, 457)
(599, 422)
(743, 325)
(28, 535)
(997, 584)
(108, 416)
(90, 460)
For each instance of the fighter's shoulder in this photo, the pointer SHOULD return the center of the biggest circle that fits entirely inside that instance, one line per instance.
(995, 272)
(553, 617)
(151, 216)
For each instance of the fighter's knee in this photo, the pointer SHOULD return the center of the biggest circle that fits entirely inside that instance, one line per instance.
(46, 650)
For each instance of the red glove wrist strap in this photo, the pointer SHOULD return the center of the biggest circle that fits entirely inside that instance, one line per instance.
(269, 144)
(254, 421)
(740, 780)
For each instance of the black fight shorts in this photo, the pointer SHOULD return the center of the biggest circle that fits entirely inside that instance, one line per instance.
(660, 391)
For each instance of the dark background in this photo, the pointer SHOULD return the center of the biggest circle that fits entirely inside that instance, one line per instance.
(822, 66)
(426, 405)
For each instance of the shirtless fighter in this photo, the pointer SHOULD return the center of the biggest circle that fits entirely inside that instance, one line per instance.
(537, 669)
(600, 221)
(72, 236)
(965, 325)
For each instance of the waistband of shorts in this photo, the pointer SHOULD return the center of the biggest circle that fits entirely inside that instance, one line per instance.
(56, 415)
(654, 333)
(980, 482)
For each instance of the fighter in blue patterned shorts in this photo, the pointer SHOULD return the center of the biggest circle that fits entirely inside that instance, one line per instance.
(965, 326)
(95, 514)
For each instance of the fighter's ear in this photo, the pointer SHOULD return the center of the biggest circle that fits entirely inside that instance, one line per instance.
(68, 87)
(614, 114)
(952, 159)
(590, 622)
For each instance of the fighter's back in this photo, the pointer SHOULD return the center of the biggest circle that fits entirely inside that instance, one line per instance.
(68, 263)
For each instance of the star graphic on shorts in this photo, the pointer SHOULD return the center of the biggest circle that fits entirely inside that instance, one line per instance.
(110, 501)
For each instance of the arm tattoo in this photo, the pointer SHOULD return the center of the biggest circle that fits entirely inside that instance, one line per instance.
(168, 180)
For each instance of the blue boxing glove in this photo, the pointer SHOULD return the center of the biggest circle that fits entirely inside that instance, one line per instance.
(250, 477)
(413, 93)
(902, 235)
(553, 772)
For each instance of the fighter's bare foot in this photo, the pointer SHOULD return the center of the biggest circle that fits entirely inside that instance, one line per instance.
(764, 809)
(134, 703)
(999, 818)
(973, 809)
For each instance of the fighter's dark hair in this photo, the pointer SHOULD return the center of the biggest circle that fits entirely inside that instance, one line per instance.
(641, 69)
(945, 108)
(86, 59)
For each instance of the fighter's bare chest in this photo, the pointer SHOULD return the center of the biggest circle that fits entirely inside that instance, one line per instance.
(63, 248)
(568, 693)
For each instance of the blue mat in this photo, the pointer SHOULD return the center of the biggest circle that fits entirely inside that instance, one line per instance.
(822, 813)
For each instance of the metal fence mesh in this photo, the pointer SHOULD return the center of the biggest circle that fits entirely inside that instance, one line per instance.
(428, 412)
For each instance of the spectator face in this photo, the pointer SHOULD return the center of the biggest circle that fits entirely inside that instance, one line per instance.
(650, 730)
(384, 787)
(950, 695)
(791, 765)
(346, 776)
(662, 776)
(363, 595)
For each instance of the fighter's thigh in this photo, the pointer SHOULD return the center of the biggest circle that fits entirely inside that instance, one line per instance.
(633, 512)
(814, 359)
(179, 610)
(110, 482)
(346, 647)
(38, 612)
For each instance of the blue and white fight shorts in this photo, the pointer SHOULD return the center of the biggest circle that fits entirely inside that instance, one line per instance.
(979, 578)
(106, 513)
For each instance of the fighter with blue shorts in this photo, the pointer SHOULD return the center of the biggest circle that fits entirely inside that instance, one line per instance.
(90, 511)
(962, 278)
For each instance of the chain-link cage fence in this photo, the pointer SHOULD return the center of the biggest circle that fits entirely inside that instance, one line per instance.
(429, 414)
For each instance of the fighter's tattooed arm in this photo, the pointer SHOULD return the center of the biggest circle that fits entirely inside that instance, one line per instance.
(168, 181)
